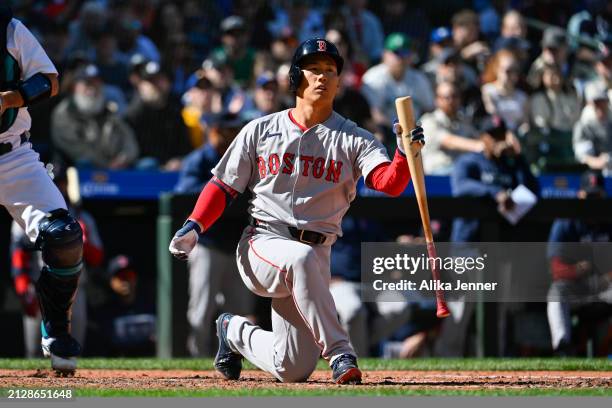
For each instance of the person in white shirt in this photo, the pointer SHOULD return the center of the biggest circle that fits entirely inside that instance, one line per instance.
(449, 133)
(395, 77)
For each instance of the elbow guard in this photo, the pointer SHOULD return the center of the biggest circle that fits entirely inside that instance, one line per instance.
(34, 89)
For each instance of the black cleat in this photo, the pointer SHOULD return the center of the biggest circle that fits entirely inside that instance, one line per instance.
(63, 351)
(227, 362)
(345, 370)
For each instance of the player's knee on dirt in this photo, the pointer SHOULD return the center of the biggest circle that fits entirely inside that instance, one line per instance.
(297, 371)
(60, 239)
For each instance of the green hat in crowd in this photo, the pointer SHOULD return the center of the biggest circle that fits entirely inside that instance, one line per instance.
(398, 43)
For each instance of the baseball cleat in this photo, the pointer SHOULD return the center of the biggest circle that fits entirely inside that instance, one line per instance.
(227, 362)
(63, 351)
(345, 370)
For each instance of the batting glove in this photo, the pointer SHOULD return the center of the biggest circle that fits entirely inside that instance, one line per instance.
(185, 240)
(416, 135)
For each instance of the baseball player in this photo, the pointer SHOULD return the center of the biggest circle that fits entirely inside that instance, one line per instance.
(302, 166)
(28, 76)
(27, 262)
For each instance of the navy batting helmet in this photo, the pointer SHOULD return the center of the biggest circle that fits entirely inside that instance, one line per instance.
(311, 47)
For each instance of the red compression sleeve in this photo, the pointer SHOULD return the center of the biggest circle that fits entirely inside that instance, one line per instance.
(213, 199)
(22, 281)
(562, 270)
(93, 255)
(391, 178)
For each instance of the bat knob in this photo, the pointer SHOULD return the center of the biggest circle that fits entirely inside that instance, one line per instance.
(442, 312)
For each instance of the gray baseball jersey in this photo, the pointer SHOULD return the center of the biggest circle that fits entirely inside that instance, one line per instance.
(302, 179)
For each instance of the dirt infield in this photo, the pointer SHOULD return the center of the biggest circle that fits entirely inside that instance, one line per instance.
(189, 379)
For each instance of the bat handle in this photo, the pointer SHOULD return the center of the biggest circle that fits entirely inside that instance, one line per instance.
(442, 310)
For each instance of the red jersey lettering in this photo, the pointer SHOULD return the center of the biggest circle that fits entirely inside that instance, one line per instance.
(274, 163)
(288, 163)
(334, 169)
(307, 160)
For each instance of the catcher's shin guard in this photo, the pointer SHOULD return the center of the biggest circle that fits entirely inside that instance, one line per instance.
(61, 240)
(56, 294)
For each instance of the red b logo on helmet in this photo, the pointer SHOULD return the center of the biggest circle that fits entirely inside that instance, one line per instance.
(322, 45)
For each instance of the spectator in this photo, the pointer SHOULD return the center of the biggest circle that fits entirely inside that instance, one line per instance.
(26, 264)
(201, 102)
(448, 133)
(554, 111)
(177, 61)
(155, 115)
(111, 64)
(500, 94)
(408, 17)
(513, 25)
(126, 320)
(220, 73)
(585, 55)
(169, 19)
(55, 41)
(282, 47)
(201, 21)
(350, 102)
(265, 97)
(576, 280)
(353, 70)
(449, 67)
(365, 29)
(84, 31)
(131, 41)
(86, 129)
(212, 266)
(556, 106)
(298, 18)
(466, 33)
(592, 137)
(554, 52)
(440, 39)
(258, 14)
(235, 51)
(603, 68)
(490, 17)
(489, 174)
(394, 77)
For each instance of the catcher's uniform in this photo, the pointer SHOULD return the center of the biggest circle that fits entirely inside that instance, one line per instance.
(27, 192)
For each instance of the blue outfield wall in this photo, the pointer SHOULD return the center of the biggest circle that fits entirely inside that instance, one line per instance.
(148, 185)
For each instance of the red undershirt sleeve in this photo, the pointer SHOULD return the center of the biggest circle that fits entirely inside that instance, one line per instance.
(213, 200)
(562, 270)
(391, 177)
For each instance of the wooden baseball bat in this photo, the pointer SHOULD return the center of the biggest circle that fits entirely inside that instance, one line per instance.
(405, 115)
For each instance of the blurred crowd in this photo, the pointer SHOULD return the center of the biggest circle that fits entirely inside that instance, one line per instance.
(166, 85)
(143, 81)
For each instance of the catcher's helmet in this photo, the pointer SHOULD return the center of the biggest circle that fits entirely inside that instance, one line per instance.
(310, 47)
